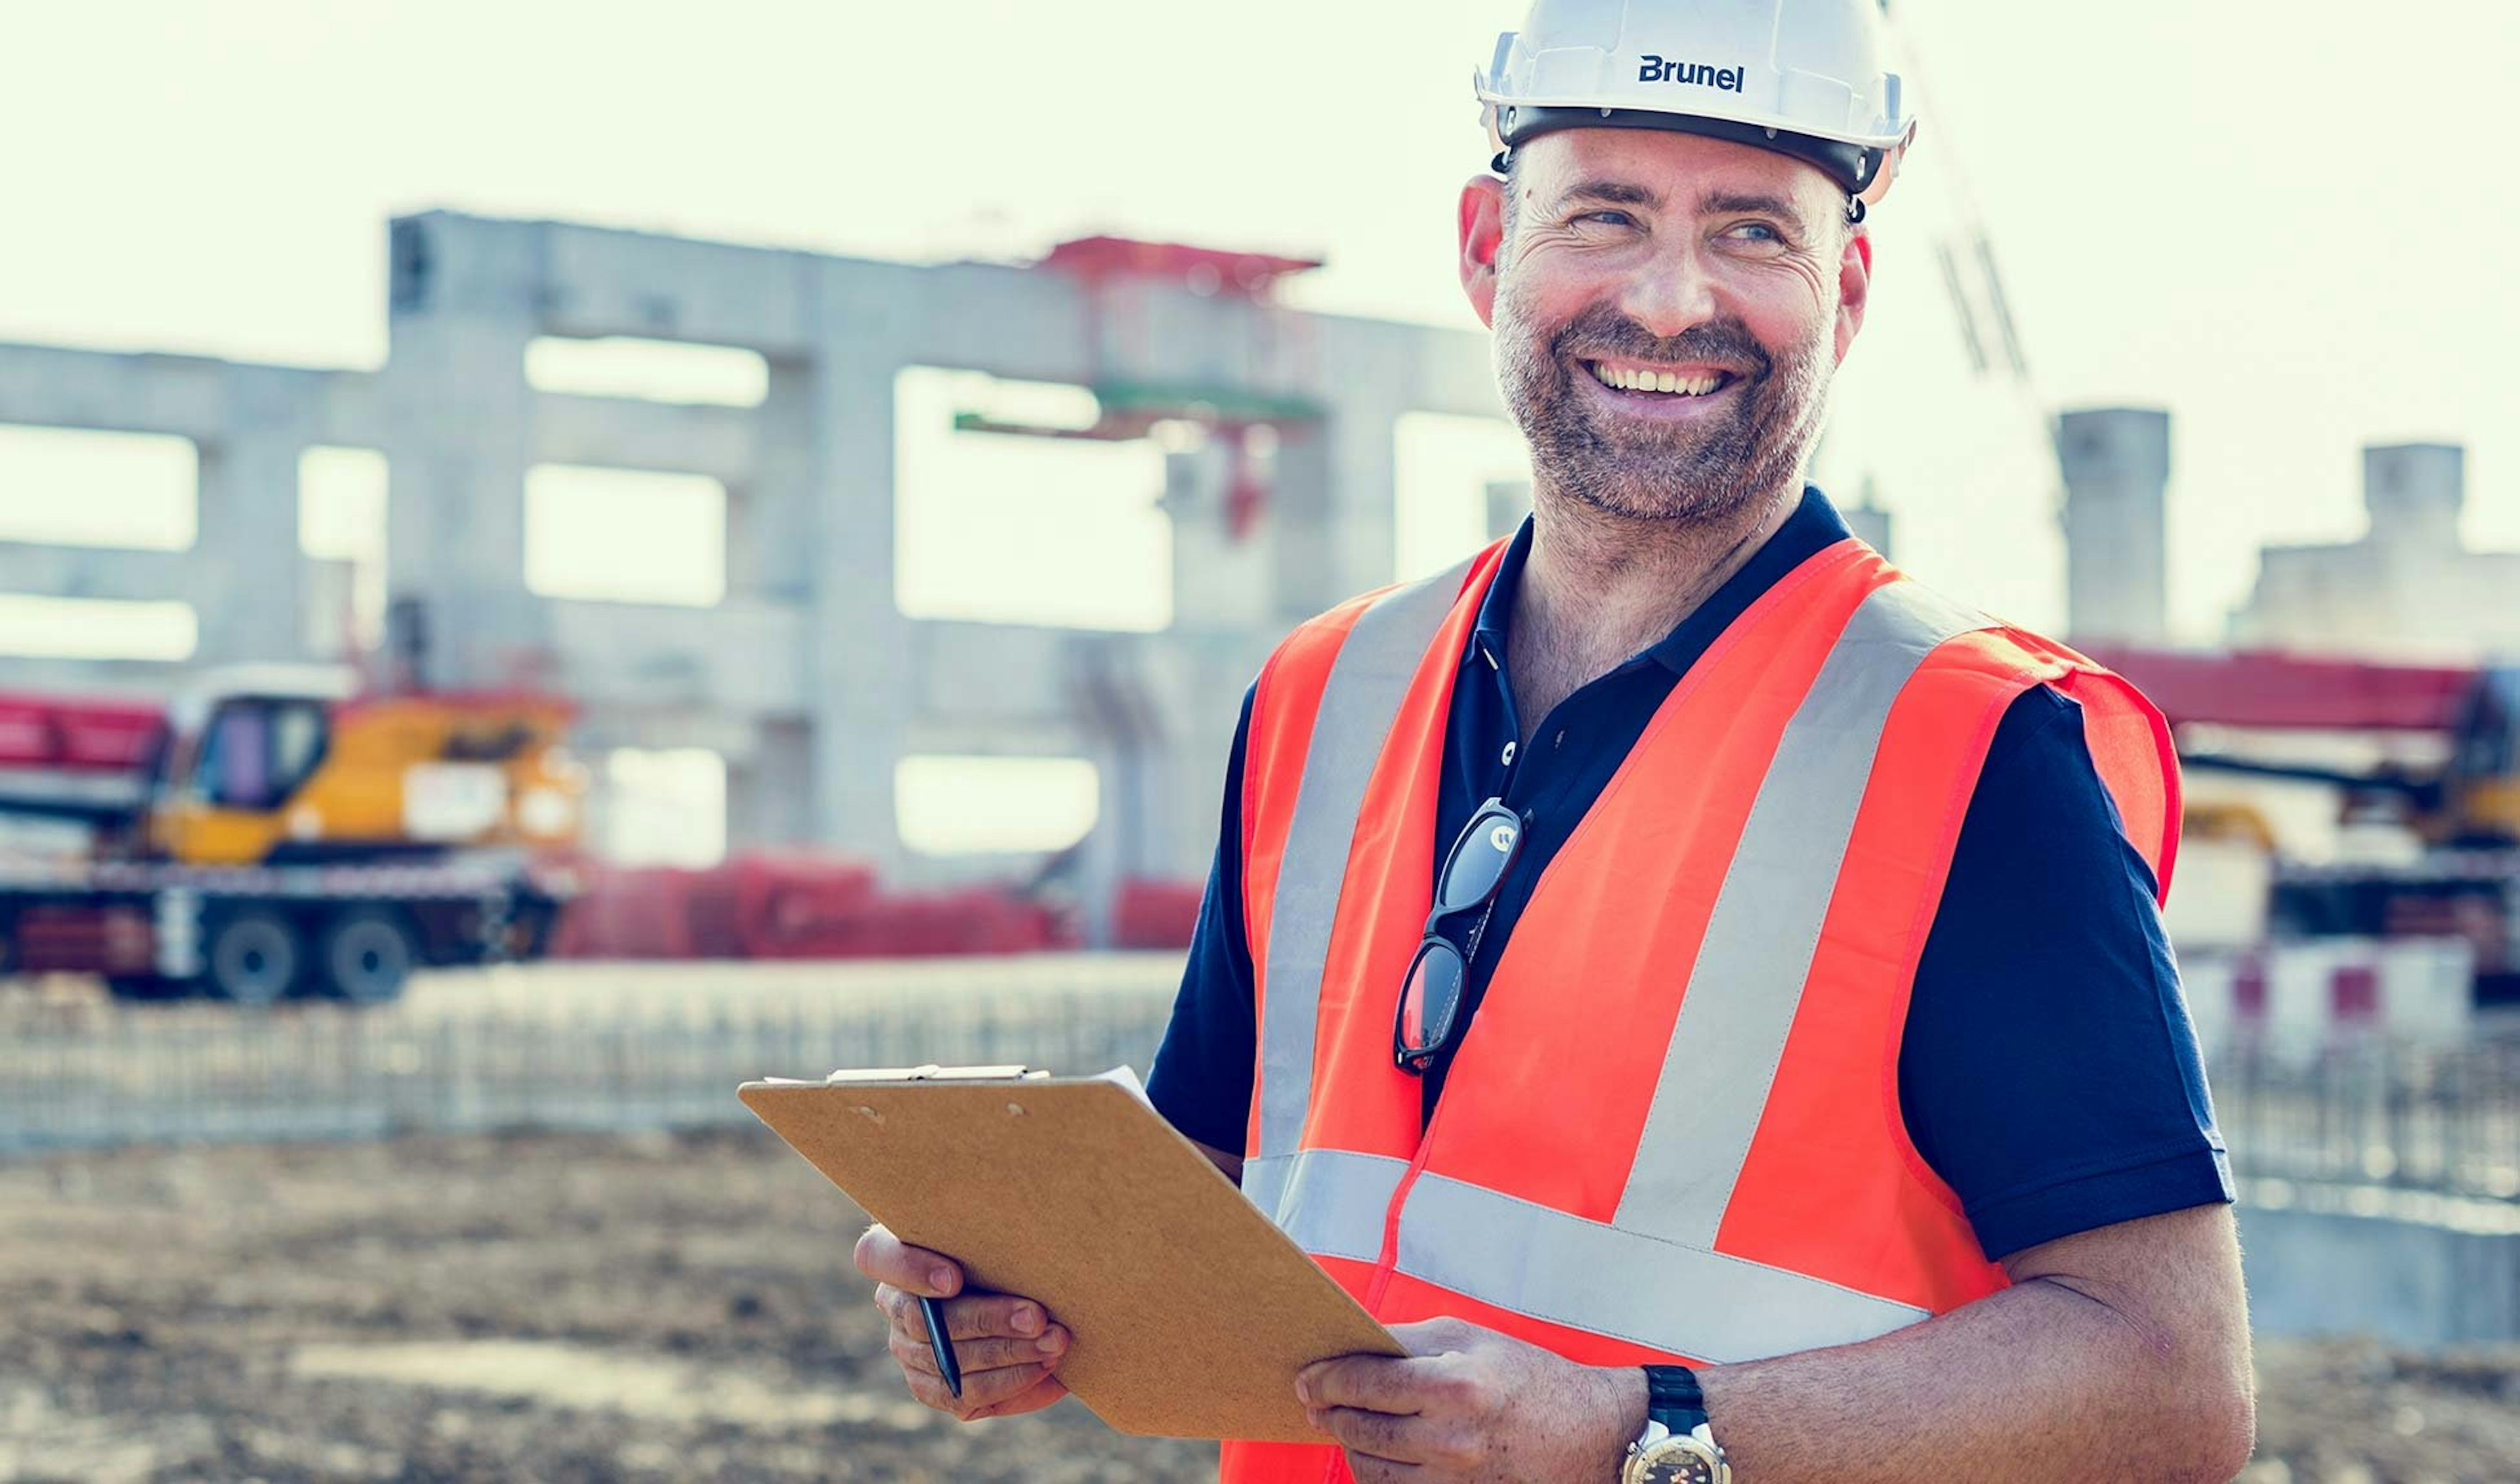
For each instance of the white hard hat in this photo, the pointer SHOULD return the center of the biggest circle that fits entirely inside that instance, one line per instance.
(1805, 77)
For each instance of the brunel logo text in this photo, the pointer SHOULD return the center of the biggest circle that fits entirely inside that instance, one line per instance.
(1652, 68)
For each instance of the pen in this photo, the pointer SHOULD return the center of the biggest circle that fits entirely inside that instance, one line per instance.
(942, 1347)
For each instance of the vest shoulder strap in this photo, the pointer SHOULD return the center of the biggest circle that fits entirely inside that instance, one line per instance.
(2127, 735)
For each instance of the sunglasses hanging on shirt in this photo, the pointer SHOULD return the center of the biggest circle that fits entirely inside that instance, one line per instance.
(1430, 997)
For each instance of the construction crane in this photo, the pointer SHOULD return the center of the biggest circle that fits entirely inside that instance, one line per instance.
(275, 833)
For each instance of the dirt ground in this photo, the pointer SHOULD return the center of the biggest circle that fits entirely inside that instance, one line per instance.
(579, 1309)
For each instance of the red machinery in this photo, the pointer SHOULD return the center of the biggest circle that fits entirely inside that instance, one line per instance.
(75, 757)
(2273, 690)
(2464, 807)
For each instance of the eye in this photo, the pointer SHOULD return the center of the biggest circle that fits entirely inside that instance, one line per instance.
(1756, 233)
(1607, 217)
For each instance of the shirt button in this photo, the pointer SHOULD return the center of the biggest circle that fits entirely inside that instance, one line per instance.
(1509, 755)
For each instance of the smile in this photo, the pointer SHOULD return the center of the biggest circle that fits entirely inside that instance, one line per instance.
(1686, 381)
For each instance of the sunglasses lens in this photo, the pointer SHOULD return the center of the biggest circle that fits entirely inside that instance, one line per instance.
(1479, 861)
(1430, 999)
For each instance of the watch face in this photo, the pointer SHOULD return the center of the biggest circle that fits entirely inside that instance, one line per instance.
(1676, 1461)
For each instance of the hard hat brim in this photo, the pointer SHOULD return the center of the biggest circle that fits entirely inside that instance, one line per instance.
(1851, 167)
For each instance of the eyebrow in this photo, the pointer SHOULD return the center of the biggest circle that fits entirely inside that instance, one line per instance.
(1621, 193)
(1755, 202)
(1617, 192)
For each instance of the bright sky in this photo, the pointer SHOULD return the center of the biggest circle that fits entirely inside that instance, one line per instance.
(2286, 219)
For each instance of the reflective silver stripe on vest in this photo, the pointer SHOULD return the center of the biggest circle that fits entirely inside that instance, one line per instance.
(1650, 1276)
(1748, 977)
(1332, 1203)
(1683, 1299)
(1368, 680)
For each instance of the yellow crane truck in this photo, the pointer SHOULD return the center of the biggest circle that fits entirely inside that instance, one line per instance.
(278, 834)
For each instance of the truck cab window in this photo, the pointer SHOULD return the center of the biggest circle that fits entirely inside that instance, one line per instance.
(255, 752)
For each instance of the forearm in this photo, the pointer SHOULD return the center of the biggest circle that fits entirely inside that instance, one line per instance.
(2040, 1383)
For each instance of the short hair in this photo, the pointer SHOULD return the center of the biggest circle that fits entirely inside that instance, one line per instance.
(1512, 191)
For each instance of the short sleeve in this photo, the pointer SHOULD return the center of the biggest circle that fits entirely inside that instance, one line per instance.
(2049, 1072)
(1201, 1082)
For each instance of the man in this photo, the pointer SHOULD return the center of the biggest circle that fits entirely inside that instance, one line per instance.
(1702, 991)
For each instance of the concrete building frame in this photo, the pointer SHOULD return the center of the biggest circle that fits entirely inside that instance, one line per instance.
(807, 677)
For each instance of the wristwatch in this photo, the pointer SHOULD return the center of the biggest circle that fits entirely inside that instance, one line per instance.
(1677, 1447)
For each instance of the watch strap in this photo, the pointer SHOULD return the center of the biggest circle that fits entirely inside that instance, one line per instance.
(1674, 1399)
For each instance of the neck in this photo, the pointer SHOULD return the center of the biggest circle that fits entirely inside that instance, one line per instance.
(1598, 588)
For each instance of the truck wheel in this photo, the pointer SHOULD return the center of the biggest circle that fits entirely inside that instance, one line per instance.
(255, 957)
(367, 956)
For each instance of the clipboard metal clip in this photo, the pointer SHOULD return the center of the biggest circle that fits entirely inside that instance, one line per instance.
(932, 1072)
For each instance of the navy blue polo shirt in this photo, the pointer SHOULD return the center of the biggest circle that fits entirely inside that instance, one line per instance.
(2048, 1071)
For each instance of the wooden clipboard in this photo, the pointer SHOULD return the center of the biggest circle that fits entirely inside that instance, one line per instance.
(1192, 1312)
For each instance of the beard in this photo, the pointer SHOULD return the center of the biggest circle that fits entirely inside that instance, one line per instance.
(1648, 471)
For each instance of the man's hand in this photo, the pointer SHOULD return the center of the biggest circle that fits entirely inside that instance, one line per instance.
(1006, 1346)
(1473, 1405)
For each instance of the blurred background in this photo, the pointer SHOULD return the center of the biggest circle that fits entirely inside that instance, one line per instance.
(553, 559)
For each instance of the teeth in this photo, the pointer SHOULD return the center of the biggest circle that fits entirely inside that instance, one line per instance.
(1666, 383)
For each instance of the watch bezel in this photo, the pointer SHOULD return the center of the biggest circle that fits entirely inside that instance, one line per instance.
(1644, 1455)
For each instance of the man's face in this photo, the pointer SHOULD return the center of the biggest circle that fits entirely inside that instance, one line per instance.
(1723, 271)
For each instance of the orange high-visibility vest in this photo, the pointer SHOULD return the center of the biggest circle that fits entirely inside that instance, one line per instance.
(1672, 1131)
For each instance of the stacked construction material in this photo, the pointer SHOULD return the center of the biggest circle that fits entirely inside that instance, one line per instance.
(796, 905)
(1152, 913)
(2295, 1002)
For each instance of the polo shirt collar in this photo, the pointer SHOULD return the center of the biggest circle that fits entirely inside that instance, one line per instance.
(1812, 527)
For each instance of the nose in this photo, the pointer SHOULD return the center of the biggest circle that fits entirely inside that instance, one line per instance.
(1670, 292)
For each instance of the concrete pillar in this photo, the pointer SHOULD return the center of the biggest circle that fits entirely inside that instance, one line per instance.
(247, 575)
(769, 788)
(1303, 531)
(2413, 493)
(861, 683)
(458, 432)
(770, 521)
(2116, 462)
(1363, 474)
(1220, 581)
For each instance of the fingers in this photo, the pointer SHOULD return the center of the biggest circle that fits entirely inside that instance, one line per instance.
(978, 1355)
(1377, 1434)
(1369, 1470)
(888, 1259)
(975, 1315)
(982, 1391)
(1004, 1344)
(1041, 1393)
(1372, 1382)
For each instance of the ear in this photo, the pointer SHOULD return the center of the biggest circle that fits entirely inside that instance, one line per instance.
(1854, 286)
(1482, 231)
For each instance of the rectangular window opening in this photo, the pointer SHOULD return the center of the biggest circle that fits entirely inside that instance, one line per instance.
(1443, 469)
(95, 628)
(617, 535)
(951, 804)
(342, 497)
(71, 486)
(1032, 527)
(663, 806)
